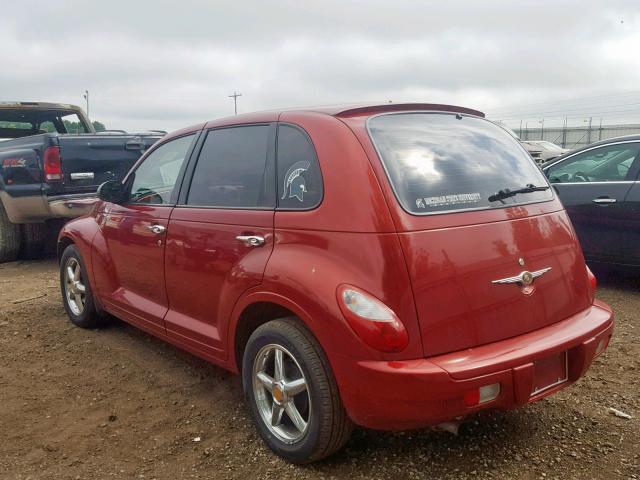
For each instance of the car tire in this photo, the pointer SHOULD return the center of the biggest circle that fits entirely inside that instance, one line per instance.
(326, 426)
(9, 238)
(77, 295)
(33, 240)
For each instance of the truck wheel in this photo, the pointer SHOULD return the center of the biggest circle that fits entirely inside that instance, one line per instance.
(77, 295)
(9, 238)
(292, 394)
(33, 240)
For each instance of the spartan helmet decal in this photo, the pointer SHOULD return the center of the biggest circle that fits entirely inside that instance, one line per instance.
(294, 183)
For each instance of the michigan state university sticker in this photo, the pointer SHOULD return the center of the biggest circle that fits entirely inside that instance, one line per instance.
(294, 182)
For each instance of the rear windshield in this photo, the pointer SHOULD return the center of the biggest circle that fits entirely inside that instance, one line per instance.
(24, 122)
(441, 162)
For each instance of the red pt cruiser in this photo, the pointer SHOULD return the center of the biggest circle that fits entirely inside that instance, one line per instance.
(391, 266)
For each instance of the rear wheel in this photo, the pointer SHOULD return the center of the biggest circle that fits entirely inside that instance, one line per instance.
(292, 394)
(76, 290)
(9, 238)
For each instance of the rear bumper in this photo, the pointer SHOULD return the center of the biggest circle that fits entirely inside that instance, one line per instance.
(397, 395)
(38, 208)
(72, 206)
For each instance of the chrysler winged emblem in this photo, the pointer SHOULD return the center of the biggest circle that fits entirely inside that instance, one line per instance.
(525, 278)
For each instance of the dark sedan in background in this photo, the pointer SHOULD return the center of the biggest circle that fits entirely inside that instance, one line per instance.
(600, 189)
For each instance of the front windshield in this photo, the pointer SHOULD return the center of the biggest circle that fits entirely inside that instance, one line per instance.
(440, 162)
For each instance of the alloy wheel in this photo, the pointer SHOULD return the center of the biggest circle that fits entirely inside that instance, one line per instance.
(75, 289)
(281, 393)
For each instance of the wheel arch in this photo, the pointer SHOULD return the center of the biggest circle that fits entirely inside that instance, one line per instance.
(63, 242)
(254, 310)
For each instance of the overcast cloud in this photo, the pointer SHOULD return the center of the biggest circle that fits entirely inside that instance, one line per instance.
(169, 64)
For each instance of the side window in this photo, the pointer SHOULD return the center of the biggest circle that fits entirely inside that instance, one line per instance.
(155, 179)
(232, 169)
(73, 124)
(605, 164)
(48, 127)
(299, 176)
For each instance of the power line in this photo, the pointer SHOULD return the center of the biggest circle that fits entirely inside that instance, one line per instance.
(628, 108)
(568, 100)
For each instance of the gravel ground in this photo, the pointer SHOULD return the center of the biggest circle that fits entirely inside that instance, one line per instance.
(117, 403)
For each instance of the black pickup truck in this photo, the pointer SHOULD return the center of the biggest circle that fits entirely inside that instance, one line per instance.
(51, 164)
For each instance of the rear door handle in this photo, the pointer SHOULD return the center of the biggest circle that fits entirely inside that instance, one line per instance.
(604, 201)
(251, 240)
(157, 229)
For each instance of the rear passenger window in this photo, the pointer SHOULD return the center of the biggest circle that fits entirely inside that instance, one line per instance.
(232, 169)
(299, 177)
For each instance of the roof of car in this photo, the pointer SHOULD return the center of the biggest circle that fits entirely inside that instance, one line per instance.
(625, 138)
(352, 110)
(39, 105)
(342, 111)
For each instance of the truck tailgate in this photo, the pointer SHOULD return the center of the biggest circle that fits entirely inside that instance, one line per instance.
(89, 160)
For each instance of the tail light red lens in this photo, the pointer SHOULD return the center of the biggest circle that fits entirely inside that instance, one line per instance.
(52, 165)
(375, 323)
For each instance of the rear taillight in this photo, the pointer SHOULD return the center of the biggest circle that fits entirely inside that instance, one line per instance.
(52, 165)
(372, 320)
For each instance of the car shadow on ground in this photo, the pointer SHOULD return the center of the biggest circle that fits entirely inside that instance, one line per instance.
(483, 441)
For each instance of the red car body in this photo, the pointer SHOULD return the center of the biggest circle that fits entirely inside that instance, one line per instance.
(199, 289)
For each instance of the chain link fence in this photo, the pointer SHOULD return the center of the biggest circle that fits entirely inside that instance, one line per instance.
(575, 137)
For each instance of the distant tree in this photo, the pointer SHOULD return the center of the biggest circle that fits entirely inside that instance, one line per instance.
(72, 127)
(99, 126)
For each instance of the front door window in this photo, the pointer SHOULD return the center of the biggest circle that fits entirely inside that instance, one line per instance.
(154, 181)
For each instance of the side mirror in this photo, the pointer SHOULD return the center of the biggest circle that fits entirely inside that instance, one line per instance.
(112, 191)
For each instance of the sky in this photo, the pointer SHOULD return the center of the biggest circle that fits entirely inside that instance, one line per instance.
(166, 65)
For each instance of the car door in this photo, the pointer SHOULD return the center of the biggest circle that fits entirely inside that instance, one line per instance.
(593, 185)
(220, 234)
(630, 241)
(133, 237)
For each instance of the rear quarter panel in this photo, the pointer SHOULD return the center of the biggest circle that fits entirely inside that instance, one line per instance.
(349, 238)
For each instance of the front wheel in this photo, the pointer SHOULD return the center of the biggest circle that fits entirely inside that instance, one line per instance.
(77, 295)
(292, 394)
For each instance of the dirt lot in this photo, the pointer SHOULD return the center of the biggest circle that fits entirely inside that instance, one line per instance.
(118, 403)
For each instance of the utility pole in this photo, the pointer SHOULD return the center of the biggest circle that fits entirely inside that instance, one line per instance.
(86, 97)
(564, 133)
(235, 101)
(542, 130)
(600, 130)
(520, 129)
(589, 131)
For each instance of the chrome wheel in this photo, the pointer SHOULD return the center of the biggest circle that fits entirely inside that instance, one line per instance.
(281, 393)
(75, 290)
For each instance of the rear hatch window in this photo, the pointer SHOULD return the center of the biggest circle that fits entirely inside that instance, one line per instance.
(442, 162)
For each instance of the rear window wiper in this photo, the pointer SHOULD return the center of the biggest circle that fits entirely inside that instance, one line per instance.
(506, 193)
